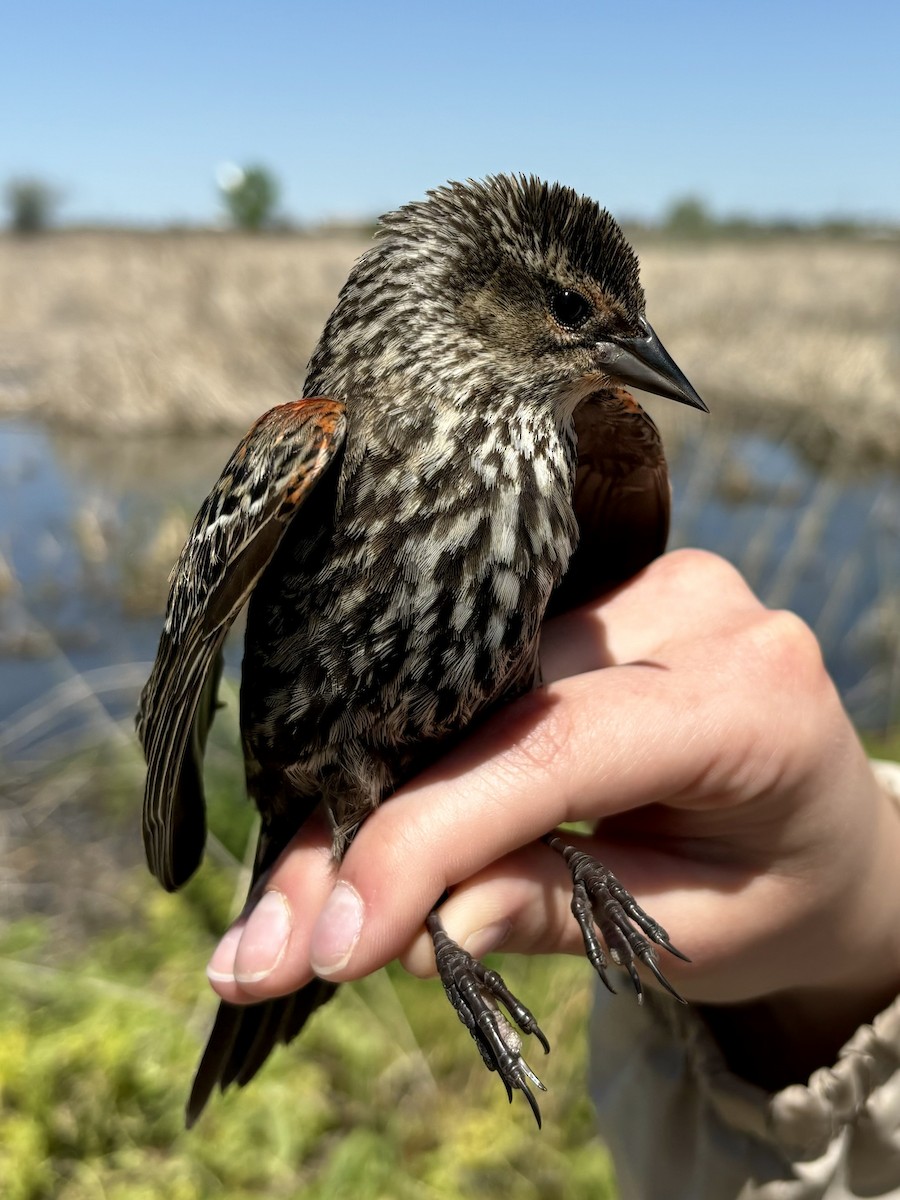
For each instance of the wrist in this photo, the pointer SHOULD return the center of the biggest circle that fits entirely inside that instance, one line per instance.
(781, 1038)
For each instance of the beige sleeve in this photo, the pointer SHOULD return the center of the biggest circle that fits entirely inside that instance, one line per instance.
(681, 1126)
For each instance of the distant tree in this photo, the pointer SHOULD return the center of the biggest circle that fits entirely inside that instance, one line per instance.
(31, 203)
(842, 227)
(688, 217)
(250, 195)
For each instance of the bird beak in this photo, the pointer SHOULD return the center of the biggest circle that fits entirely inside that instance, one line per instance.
(645, 363)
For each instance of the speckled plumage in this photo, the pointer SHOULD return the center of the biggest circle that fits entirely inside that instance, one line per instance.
(401, 540)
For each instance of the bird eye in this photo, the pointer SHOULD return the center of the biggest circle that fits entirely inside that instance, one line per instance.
(570, 309)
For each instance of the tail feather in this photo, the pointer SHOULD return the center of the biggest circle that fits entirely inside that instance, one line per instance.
(253, 1048)
(242, 1038)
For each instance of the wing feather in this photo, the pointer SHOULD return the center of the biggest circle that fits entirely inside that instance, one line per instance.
(239, 527)
(622, 498)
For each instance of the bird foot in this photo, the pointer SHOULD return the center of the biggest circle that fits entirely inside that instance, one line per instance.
(600, 903)
(476, 993)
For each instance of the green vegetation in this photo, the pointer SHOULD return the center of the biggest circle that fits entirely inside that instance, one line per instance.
(383, 1096)
(250, 197)
(31, 203)
(689, 218)
(885, 745)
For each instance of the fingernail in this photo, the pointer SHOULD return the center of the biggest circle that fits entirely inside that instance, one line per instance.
(221, 965)
(265, 938)
(337, 930)
(487, 939)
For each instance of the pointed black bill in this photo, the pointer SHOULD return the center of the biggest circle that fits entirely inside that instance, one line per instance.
(645, 363)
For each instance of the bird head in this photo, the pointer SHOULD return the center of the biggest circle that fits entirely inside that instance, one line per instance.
(511, 284)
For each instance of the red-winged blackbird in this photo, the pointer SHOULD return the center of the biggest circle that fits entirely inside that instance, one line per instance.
(475, 463)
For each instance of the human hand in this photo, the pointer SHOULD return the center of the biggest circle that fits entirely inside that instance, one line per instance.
(702, 731)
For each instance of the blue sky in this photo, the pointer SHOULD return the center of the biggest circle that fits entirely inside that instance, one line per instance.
(760, 107)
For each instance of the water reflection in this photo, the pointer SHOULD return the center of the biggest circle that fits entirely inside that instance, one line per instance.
(823, 543)
(89, 529)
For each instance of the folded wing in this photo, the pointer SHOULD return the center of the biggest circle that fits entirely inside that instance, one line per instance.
(264, 485)
(622, 498)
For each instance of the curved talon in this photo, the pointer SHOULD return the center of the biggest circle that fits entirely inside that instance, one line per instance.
(667, 945)
(661, 979)
(636, 981)
(475, 992)
(531, 1075)
(601, 903)
(526, 1090)
(519, 1013)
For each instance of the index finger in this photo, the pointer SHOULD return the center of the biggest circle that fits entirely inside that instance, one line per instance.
(585, 747)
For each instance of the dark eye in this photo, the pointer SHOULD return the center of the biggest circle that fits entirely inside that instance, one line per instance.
(570, 308)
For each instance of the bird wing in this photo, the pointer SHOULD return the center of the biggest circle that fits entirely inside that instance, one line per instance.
(264, 484)
(622, 497)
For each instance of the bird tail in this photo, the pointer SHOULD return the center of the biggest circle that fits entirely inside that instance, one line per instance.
(243, 1037)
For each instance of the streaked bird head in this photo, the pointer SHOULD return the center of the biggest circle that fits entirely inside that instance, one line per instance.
(509, 283)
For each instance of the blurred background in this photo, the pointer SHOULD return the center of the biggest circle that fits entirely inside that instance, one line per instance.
(185, 188)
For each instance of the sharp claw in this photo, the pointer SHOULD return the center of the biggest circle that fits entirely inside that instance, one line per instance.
(526, 1090)
(477, 993)
(605, 979)
(636, 980)
(665, 983)
(667, 945)
(605, 910)
(531, 1075)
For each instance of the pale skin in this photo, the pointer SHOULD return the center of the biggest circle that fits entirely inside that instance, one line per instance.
(736, 803)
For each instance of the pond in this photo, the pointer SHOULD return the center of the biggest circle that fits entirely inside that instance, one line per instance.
(89, 529)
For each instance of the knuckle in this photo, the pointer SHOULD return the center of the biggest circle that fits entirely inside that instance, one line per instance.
(400, 835)
(694, 558)
(701, 572)
(790, 641)
(788, 653)
(539, 733)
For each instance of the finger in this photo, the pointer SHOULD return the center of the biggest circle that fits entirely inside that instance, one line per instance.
(519, 904)
(627, 737)
(265, 953)
(678, 596)
(501, 789)
(522, 904)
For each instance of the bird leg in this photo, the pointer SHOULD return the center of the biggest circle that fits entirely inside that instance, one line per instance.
(474, 991)
(599, 902)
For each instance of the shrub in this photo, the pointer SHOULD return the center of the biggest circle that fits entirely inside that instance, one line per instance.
(250, 196)
(31, 203)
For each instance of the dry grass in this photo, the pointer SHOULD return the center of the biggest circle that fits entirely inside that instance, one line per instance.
(788, 327)
(128, 333)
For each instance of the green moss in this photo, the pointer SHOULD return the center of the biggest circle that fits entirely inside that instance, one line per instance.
(382, 1096)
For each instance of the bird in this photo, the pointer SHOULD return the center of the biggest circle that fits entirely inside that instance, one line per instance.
(465, 460)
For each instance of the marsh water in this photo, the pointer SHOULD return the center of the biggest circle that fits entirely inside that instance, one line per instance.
(89, 529)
